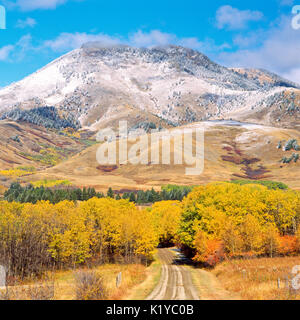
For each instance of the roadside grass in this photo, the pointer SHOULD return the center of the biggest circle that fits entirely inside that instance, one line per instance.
(64, 283)
(143, 290)
(209, 287)
(257, 279)
(131, 275)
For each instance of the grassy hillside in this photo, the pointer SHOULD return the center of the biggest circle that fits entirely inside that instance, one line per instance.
(231, 153)
(26, 149)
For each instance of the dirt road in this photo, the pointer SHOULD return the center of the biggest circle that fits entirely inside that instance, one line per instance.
(175, 282)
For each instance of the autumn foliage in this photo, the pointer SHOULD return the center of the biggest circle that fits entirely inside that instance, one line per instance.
(37, 237)
(225, 220)
(214, 222)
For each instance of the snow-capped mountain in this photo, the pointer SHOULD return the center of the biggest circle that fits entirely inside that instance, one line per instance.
(99, 86)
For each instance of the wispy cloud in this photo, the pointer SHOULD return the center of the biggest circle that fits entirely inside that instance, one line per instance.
(28, 22)
(279, 52)
(158, 38)
(5, 52)
(286, 2)
(29, 5)
(250, 39)
(17, 51)
(153, 38)
(234, 19)
(69, 41)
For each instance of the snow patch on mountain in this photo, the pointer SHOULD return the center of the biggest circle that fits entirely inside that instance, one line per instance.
(174, 84)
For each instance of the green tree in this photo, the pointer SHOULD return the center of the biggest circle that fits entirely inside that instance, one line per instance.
(110, 193)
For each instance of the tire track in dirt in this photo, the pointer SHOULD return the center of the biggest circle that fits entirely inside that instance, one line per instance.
(175, 282)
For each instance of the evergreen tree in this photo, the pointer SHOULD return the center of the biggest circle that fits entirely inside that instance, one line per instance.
(132, 197)
(110, 193)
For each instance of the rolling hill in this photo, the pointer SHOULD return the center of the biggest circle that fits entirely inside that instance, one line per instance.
(232, 151)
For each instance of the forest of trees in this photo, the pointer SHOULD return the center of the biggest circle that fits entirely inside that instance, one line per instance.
(211, 223)
(38, 237)
(229, 220)
(33, 194)
(30, 194)
(47, 117)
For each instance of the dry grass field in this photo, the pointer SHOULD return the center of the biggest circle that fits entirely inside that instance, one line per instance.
(61, 285)
(257, 279)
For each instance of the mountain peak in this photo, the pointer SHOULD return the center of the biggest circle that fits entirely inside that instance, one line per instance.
(102, 84)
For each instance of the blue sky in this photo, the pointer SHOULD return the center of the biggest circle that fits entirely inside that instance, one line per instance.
(234, 33)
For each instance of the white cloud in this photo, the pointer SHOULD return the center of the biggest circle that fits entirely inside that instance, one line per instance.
(151, 39)
(28, 22)
(233, 19)
(154, 38)
(28, 5)
(286, 2)
(22, 47)
(69, 41)
(279, 52)
(293, 75)
(39, 4)
(250, 39)
(5, 52)
(17, 51)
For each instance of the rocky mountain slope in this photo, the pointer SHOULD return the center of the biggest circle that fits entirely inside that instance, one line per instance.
(169, 86)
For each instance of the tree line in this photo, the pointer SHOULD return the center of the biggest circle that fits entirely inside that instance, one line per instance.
(31, 194)
(35, 238)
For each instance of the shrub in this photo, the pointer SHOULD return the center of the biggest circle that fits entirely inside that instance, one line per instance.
(292, 144)
(90, 286)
